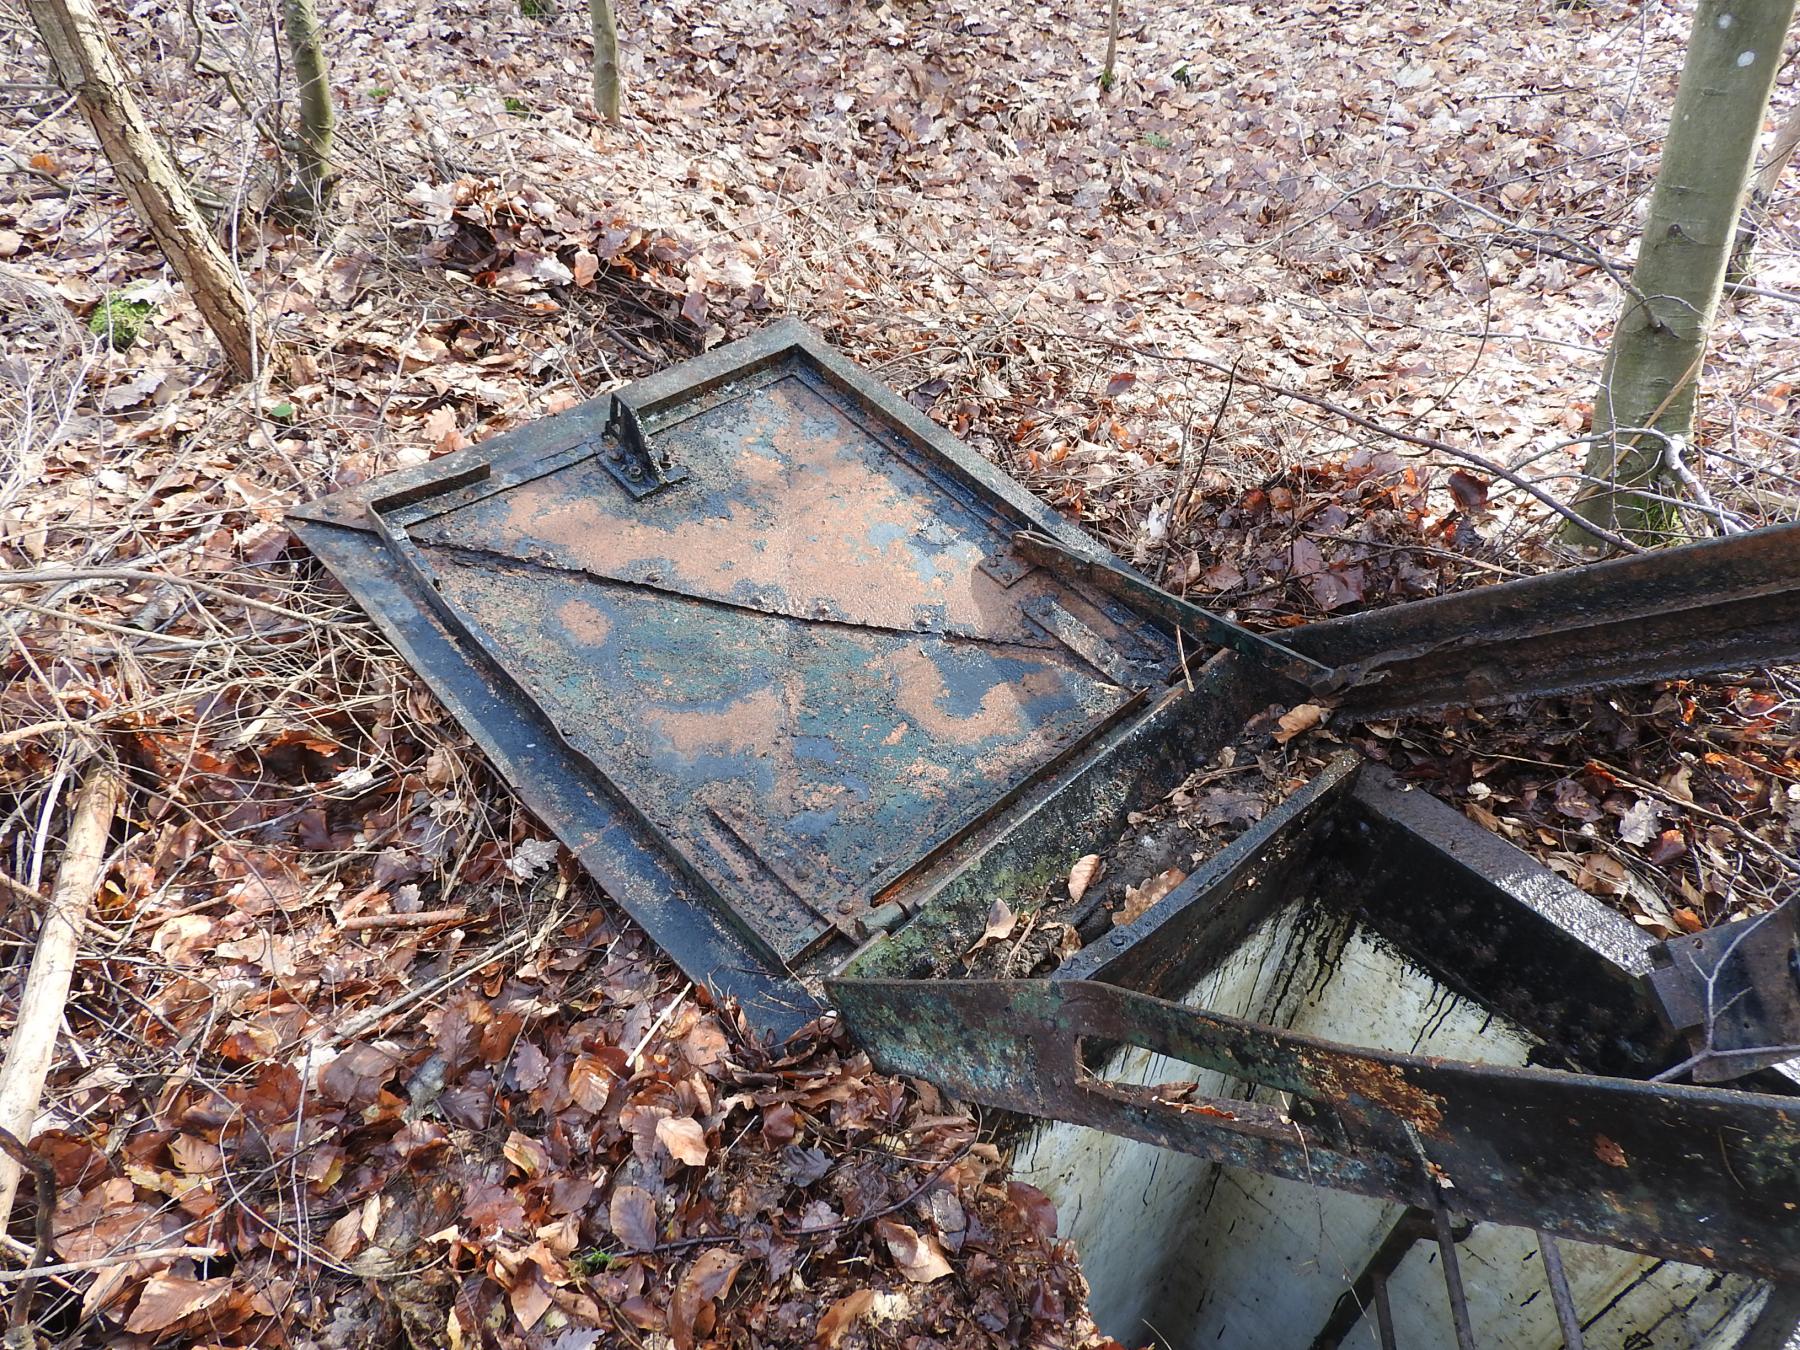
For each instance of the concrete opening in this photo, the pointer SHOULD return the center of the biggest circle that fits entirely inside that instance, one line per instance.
(1318, 934)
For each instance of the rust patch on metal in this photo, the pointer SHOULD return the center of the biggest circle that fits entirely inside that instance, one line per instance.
(1609, 1152)
(789, 663)
(1347, 1083)
(584, 622)
(818, 523)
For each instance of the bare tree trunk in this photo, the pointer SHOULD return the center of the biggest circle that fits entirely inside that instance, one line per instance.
(606, 59)
(1756, 205)
(300, 18)
(1112, 46)
(1653, 366)
(86, 65)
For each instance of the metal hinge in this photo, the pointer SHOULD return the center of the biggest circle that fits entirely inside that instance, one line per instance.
(630, 459)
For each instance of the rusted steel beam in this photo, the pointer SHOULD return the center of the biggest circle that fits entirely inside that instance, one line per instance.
(1723, 604)
(1701, 1175)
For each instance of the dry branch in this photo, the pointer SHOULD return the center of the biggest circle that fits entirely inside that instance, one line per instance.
(84, 61)
(29, 1052)
(423, 918)
(124, 1258)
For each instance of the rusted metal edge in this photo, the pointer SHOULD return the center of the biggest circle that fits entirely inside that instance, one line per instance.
(1701, 1175)
(1024, 851)
(1734, 992)
(1723, 604)
(1496, 926)
(1159, 951)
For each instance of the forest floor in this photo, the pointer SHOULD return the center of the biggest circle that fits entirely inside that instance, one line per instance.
(515, 1123)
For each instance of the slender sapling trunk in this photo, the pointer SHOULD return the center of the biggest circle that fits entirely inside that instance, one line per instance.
(306, 46)
(606, 59)
(1652, 368)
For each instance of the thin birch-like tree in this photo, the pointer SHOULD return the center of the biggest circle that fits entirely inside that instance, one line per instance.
(306, 47)
(606, 59)
(1645, 403)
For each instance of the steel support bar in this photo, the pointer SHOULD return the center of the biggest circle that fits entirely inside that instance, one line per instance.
(1724, 604)
(1700, 1175)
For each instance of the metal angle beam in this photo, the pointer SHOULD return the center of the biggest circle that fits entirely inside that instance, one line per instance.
(1722, 604)
(1701, 1175)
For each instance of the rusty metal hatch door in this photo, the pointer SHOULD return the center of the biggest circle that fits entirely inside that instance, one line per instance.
(781, 628)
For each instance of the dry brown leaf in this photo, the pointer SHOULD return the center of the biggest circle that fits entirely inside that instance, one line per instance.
(167, 1299)
(527, 1154)
(1301, 717)
(632, 1215)
(589, 1084)
(691, 1310)
(841, 1316)
(684, 1137)
(1082, 875)
(1000, 924)
(1140, 898)
(917, 1254)
(344, 1237)
(529, 1297)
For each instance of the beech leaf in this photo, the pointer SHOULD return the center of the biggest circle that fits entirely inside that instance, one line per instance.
(684, 1137)
(1000, 924)
(691, 1311)
(632, 1216)
(841, 1316)
(1299, 718)
(917, 1254)
(1082, 875)
(168, 1299)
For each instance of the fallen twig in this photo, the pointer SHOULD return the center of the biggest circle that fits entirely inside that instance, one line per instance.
(423, 918)
(662, 1020)
(34, 729)
(57, 576)
(41, 1006)
(106, 1262)
(19, 1320)
(19, 890)
(357, 1025)
(1481, 462)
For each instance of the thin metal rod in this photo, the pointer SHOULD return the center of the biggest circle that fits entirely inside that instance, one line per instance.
(1566, 1316)
(1384, 1315)
(1459, 1303)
